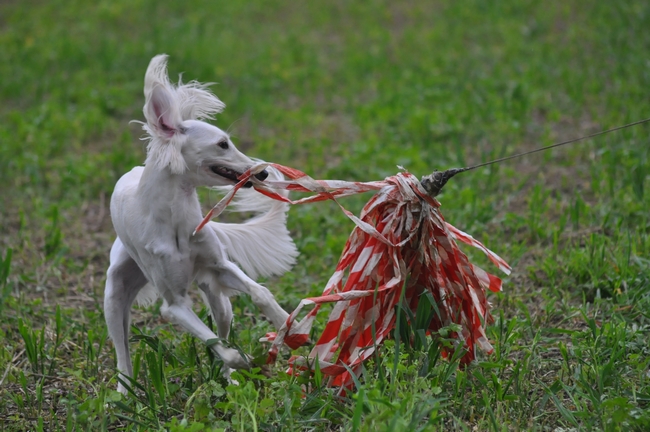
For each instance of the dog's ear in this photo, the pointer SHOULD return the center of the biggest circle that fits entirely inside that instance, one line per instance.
(161, 108)
(164, 121)
(160, 113)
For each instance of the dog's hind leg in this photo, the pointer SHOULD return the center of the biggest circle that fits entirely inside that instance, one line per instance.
(123, 281)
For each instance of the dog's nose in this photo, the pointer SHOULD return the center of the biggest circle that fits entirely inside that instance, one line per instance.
(262, 176)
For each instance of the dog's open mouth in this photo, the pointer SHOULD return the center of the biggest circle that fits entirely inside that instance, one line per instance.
(234, 175)
(228, 173)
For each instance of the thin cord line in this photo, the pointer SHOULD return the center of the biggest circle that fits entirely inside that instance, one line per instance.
(434, 182)
(555, 145)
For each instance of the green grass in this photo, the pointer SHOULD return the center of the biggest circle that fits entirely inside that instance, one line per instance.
(343, 91)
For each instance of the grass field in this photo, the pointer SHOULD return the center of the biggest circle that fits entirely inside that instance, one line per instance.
(339, 90)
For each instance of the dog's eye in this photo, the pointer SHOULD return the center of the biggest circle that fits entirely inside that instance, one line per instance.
(223, 144)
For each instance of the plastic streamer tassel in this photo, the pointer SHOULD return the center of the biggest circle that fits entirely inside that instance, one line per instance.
(400, 242)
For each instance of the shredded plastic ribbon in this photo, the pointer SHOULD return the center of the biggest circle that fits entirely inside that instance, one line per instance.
(400, 242)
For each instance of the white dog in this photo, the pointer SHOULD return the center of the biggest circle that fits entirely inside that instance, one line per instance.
(155, 210)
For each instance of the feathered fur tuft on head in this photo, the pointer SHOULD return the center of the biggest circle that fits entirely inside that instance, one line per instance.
(166, 107)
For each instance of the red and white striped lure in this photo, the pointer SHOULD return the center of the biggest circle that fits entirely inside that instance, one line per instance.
(400, 242)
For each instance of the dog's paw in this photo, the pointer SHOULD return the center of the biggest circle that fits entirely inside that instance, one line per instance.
(266, 371)
(234, 360)
(227, 372)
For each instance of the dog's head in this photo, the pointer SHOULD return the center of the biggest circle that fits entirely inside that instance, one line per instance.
(179, 139)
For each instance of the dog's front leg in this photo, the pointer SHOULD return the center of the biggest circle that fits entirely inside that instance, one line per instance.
(173, 277)
(181, 313)
(221, 310)
(231, 276)
(219, 303)
(213, 259)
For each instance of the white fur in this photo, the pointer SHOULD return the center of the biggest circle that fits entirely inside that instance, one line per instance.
(155, 209)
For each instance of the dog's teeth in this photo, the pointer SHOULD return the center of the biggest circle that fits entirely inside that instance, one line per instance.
(226, 172)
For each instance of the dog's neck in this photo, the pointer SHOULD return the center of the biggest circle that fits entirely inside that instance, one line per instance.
(163, 191)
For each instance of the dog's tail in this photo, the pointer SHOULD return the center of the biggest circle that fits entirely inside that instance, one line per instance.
(262, 246)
